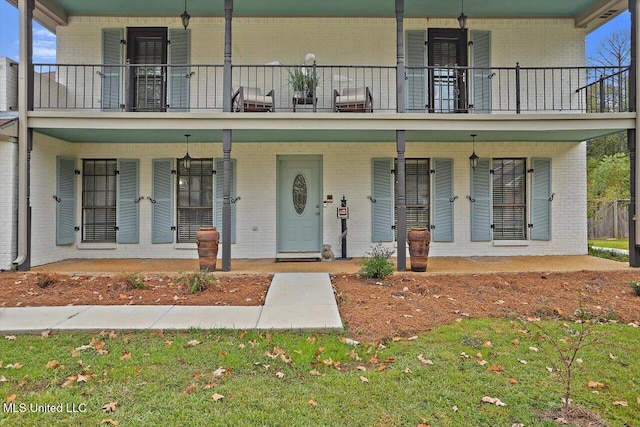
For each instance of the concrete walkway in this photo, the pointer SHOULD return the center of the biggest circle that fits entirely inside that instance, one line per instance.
(294, 301)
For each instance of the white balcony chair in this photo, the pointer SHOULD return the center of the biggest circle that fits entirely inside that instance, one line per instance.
(358, 99)
(247, 98)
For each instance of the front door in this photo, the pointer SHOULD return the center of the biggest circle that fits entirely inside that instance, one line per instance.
(147, 47)
(447, 51)
(299, 204)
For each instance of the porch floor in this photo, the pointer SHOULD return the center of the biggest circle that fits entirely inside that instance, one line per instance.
(436, 265)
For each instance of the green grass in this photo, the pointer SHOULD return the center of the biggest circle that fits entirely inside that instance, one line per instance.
(166, 381)
(611, 243)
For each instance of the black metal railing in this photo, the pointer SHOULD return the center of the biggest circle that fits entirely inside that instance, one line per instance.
(332, 88)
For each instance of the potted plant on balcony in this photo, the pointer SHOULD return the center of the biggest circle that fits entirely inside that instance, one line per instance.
(302, 79)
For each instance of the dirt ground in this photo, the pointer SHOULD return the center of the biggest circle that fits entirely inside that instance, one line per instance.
(403, 304)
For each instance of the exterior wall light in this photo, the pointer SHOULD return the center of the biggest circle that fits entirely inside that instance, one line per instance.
(185, 16)
(473, 158)
(186, 160)
(462, 19)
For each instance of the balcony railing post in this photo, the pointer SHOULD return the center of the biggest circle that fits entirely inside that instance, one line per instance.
(314, 100)
(601, 89)
(517, 88)
(127, 86)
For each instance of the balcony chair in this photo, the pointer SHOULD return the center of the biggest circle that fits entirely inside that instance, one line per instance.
(251, 99)
(354, 100)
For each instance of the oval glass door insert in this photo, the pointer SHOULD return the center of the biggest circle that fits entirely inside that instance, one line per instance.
(299, 194)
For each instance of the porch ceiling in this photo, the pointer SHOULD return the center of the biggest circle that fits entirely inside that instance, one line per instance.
(137, 136)
(576, 9)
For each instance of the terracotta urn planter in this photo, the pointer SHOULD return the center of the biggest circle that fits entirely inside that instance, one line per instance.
(419, 239)
(207, 239)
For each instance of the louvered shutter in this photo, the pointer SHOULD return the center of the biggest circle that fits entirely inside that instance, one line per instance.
(217, 216)
(481, 72)
(382, 203)
(442, 226)
(112, 58)
(66, 207)
(179, 77)
(416, 81)
(481, 202)
(128, 207)
(162, 206)
(540, 199)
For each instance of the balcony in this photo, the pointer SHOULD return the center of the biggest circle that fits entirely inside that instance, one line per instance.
(337, 89)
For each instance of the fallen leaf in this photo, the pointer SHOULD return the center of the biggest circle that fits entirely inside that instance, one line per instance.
(82, 378)
(125, 356)
(313, 402)
(534, 349)
(423, 360)
(524, 362)
(620, 403)
(513, 381)
(190, 389)
(364, 379)
(10, 337)
(612, 356)
(315, 373)
(3, 379)
(45, 334)
(11, 398)
(424, 423)
(218, 372)
(549, 369)
(488, 344)
(70, 380)
(280, 374)
(454, 409)
(110, 421)
(192, 343)
(413, 338)
(493, 401)
(167, 342)
(110, 407)
(496, 368)
(594, 384)
(52, 364)
(515, 342)
(14, 366)
(216, 397)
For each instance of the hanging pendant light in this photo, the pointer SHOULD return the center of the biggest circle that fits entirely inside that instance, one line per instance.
(185, 16)
(186, 160)
(462, 19)
(473, 158)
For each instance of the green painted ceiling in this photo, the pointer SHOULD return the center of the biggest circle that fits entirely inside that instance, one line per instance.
(215, 136)
(413, 8)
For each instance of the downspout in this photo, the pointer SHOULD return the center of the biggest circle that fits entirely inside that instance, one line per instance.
(401, 138)
(25, 134)
(633, 141)
(226, 141)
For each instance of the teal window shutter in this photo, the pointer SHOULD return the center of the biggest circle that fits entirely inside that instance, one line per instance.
(162, 201)
(382, 203)
(66, 201)
(219, 186)
(112, 71)
(541, 199)
(416, 85)
(443, 200)
(481, 202)
(128, 205)
(481, 78)
(179, 77)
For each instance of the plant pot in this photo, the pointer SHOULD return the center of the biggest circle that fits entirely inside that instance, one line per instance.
(207, 239)
(419, 239)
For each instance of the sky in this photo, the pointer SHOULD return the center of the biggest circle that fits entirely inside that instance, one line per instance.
(44, 42)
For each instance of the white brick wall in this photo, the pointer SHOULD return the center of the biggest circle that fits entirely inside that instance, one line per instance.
(346, 170)
(8, 84)
(8, 203)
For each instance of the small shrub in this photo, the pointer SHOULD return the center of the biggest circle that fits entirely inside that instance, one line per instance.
(44, 280)
(134, 281)
(607, 254)
(376, 264)
(636, 287)
(198, 281)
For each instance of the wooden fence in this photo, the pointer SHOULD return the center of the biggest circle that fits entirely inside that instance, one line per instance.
(608, 219)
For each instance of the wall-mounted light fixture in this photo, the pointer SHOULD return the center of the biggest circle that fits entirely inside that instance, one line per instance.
(473, 158)
(462, 19)
(186, 160)
(185, 16)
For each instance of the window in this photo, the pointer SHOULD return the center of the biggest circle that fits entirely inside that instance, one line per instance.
(99, 200)
(195, 198)
(509, 199)
(417, 184)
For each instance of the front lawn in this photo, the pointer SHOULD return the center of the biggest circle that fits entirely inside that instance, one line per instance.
(284, 378)
(610, 243)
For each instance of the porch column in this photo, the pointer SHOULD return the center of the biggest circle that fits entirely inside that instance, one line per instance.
(226, 140)
(401, 138)
(25, 134)
(633, 139)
